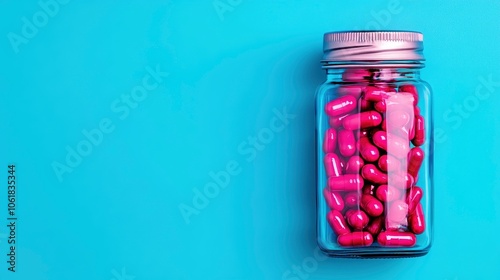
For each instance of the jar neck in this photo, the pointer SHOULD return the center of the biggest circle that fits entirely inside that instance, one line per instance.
(382, 74)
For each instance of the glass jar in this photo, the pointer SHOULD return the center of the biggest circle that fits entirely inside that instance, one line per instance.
(374, 146)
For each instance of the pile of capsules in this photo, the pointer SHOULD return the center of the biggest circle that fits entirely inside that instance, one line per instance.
(372, 159)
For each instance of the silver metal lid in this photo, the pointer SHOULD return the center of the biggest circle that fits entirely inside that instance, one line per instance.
(373, 47)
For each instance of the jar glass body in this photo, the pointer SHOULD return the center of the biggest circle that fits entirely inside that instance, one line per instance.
(374, 162)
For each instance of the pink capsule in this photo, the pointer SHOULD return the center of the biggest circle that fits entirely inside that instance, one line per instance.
(375, 94)
(337, 222)
(348, 182)
(362, 120)
(367, 150)
(341, 106)
(417, 220)
(354, 164)
(351, 199)
(401, 180)
(357, 219)
(388, 163)
(332, 165)
(397, 211)
(380, 106)
(375, 226)
(415, 159)
(365, 105)
(410, 89)
(386, 193)
(357, 238)
(369, 189)
(413, 198)
(330, 141)
(393, 144)
(396, 239)
(336, 122)
(371, 205)
(346, 142)
(356, 75)
(371, 173)
(398, 118)
(333, 199)
(350, 90)
(362, 133)
(419, 131)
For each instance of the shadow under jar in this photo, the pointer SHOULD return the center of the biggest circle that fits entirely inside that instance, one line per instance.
(374, 146)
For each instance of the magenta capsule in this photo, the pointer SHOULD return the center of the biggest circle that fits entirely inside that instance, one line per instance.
(410, 89)
(346, 142)
(415, 159)
(371, 173)
(375, 226)
(333, 199)
(365, 105)
(332, 164)
(357, 219)
(401, 180)
(369, 189)
(397, 211)
(362, 120)
(337, 222)
(417, 220)
(367, 150)
(354, 164)
(336, 122)
(341, 106)
(371, 205)
(396, 239)
(357, 238)
(375, 94)
(413, 198)
(330, 141)
(386, 193)
(351, 199)
(356, 75)
(380, 106)
(393, 144)
(388, 163)
(350, 90)
(348, 182)
(419, 131)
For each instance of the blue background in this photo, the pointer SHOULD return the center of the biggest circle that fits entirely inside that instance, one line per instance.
(117, 214)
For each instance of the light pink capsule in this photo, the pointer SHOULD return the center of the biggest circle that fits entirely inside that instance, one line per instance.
(330, 141)
(341, 106)
(350, 90)
(386, 193)
(375, 94)
(401, 180)
(356, 75)
(332, 164)
(397, 211)
(337, 222)
(362, 120)
(375, 226)
(354, 164)
(398, 119)
(371, 173)
(413, 198)
(348, 182)
(357, 219)
(417, 220)
(367, 150)
(419, 131)
(393, 144)
(355, 239)
(415, 159)
(371, 205)
(396, 239)
(346, 142)
(333, 199)
(388, 163)
(369, 189)
(410, 89)
(351, 199)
